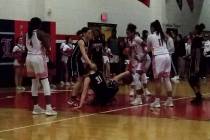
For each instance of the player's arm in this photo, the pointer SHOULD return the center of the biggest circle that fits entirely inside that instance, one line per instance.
(83, 51)
(149, 44)
(84, 92)
(45, 39)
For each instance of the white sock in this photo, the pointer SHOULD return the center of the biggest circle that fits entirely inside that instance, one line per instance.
(36, 106)
(170, 98)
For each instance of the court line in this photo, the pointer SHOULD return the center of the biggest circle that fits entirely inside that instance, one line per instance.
(88, 115)
(53, 91)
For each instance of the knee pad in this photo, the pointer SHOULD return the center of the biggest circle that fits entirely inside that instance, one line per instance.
(35, 87)
(46, 87)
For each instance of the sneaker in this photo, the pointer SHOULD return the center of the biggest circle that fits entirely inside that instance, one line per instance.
(50, 112)
(38, 110)
(147, 92)
(73, 102)
(62, 83)
(169, 103)
(155, 104)
(197, 101)
(137, 101)
(67, 84)
(18, 88)
(174, 80)
(22, 88)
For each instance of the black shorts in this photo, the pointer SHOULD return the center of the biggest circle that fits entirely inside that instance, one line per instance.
(77, 68)
(108, 93)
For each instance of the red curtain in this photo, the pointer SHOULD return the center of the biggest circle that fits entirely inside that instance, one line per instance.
(191, 4)
(146, 2)
(21, 27)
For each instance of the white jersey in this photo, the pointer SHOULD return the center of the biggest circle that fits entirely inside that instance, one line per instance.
(137, 51)
(155, 44)
(34, 45)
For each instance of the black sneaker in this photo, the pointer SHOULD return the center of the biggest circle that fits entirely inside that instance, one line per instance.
(197, 101)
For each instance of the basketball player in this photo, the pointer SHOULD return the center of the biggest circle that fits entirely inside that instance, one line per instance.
(194, 77)
(140, 62)
(104, 91)
(79, 56)
(38, 45)
(161, 64)
(19, 55)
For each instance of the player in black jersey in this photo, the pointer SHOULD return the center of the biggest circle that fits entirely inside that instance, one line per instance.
(79, 59)
(104, 91)
(194, 71)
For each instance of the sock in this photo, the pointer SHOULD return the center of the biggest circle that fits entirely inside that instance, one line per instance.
(198, 95)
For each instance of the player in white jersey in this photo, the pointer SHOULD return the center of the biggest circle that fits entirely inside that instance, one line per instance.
(139, 63)
(161, 63)
(38, 46)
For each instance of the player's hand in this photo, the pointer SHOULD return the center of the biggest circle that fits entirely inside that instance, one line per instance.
(78, 107)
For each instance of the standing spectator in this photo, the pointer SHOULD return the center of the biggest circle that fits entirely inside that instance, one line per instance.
(66, 50)
(19, 55)
(113, 45)
(180, 54)
(171, 49)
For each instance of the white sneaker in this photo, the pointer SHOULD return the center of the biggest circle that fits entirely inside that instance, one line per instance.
(67, 84)
(18, 88)
(50, 112)
(137, 101)
(38, 110)
(174, 80)
(62, 83)
(147, 92)
(155, 104)
(22, 88)
(169, 103)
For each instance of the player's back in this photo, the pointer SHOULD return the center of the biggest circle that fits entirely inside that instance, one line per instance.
(98, 83)
(33, 44)
(157, 45)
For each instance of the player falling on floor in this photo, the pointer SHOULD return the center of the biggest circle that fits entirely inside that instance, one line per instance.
(139, 63)
(78, 60)
(194, 76)
(104, 92)
(38, 45)
(161, 63)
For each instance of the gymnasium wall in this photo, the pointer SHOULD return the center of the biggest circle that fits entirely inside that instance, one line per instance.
(71, 15)
(205, 14)
(183, 18)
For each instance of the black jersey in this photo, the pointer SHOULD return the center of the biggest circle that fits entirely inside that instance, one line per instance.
(196, 53)
(76, 64)
(104, 91)
(98, 83)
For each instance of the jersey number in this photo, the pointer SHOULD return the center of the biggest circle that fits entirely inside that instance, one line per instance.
(99, 80)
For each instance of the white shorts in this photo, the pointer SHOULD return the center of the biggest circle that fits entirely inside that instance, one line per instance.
(36, 66)
(105, 59)
(161, 65)
(114, 59)
(64, 59)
